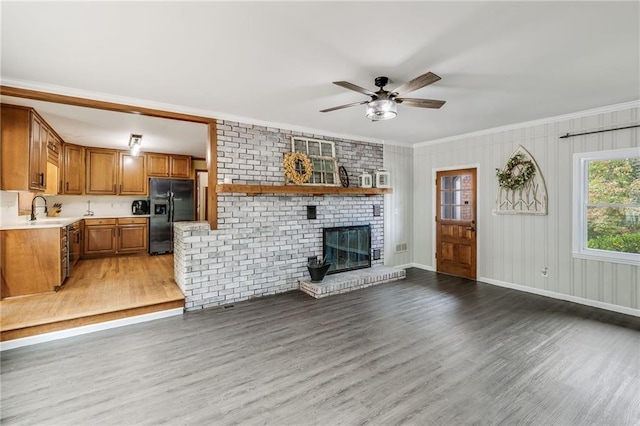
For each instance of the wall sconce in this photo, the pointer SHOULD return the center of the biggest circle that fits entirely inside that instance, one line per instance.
(134, 144)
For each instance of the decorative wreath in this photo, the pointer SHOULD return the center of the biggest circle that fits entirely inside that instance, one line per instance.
(291, 161)
(507, 179)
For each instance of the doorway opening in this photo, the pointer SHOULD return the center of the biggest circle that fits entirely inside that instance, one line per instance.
(202, 195)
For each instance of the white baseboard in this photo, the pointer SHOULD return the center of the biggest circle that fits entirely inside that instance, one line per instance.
(405, 266)
(92, 328)
(561, 296)
(425, 267)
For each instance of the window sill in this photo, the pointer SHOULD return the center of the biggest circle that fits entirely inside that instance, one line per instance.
(622, 258)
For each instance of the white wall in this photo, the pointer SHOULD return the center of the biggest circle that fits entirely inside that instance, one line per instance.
(513, 249)
(398, 207)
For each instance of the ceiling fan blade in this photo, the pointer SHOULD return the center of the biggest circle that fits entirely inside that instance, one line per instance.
(416, 83)
(422, 103)
(355, 88)
(345, 106)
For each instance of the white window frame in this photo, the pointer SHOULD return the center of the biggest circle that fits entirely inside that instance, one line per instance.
(336, 180)
(580, 200)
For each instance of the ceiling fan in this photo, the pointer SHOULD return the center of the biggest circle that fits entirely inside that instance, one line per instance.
(384, 103)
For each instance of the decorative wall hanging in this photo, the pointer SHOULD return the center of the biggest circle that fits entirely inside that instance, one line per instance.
(521, 187)
(297, 167)
(344, 176)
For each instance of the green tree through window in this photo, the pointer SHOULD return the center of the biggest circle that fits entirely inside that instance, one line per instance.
(613, 205)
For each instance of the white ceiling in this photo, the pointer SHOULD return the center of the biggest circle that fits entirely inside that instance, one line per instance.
(501, 63)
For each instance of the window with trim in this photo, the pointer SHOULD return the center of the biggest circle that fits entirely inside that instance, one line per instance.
(606, 223)
(323, 156)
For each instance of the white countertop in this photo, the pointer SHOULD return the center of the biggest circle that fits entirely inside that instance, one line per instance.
(59, 222)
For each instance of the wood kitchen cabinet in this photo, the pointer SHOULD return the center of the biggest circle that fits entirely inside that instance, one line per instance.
(132, 174)
(24, 149)
(180, 166)
(157, 164)
(111, 172)
(115, 236)
(33, 260)
(99, 236)
(73, 170)
(133, 235)
(168, 165)
(101, 171)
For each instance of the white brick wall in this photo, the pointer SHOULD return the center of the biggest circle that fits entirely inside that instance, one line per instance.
(262, 244)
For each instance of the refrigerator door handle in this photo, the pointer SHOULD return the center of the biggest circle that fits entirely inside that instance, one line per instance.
(171, 207)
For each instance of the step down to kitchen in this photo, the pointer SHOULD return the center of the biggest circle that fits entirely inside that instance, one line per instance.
(345, 282)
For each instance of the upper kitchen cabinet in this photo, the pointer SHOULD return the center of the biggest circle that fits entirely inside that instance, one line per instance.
(102, 171)
(73, 170)
(168, 165)
(157, 164)
(180, 166)
(24, 149)
(111, 172)
(132, 174)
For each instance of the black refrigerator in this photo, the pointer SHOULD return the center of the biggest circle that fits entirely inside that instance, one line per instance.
(171, 200)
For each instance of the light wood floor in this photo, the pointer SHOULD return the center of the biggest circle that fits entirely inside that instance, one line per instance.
(428, 350)
(98, 290)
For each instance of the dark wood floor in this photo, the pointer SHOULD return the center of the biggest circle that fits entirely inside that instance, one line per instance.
(431, 349)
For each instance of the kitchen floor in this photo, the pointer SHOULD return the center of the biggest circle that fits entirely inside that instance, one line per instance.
(99, 290)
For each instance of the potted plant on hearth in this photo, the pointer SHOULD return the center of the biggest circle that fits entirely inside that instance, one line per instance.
(318, 268)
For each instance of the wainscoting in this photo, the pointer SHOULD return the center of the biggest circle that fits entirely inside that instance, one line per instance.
(429, 349)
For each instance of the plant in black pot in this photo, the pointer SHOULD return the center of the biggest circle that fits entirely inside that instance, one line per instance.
(318, 268)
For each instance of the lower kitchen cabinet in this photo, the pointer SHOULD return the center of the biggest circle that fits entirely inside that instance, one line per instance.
(99, 236)
(133, 235)
(33, 260)
(115, 236)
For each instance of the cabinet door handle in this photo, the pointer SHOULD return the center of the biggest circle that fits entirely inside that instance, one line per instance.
(67, 186)
(41, 178)
(114, 188)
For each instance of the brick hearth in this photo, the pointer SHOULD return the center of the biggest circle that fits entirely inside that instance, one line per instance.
(351, 280)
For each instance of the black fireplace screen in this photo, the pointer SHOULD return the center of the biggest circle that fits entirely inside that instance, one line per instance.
(347, 247)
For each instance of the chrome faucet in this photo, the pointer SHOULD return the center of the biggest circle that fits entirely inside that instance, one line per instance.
(33, 206)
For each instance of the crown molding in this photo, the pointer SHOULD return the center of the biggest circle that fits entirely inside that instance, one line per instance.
(547, 120)
(179, 109)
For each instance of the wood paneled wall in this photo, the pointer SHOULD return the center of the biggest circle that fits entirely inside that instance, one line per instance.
(514, 249)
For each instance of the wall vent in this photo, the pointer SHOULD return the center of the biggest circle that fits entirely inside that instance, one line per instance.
(401, 247)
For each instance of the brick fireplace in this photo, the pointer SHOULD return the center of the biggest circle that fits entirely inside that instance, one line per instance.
(263, 241)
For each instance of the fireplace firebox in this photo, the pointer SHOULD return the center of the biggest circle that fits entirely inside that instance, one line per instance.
(347, 248)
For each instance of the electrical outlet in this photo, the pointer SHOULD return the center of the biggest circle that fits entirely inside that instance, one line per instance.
(545, 272)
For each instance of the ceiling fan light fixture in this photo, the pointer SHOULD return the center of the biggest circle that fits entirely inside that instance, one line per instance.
(381, 109)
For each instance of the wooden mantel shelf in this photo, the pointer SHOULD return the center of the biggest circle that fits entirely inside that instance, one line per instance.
(298, 190)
